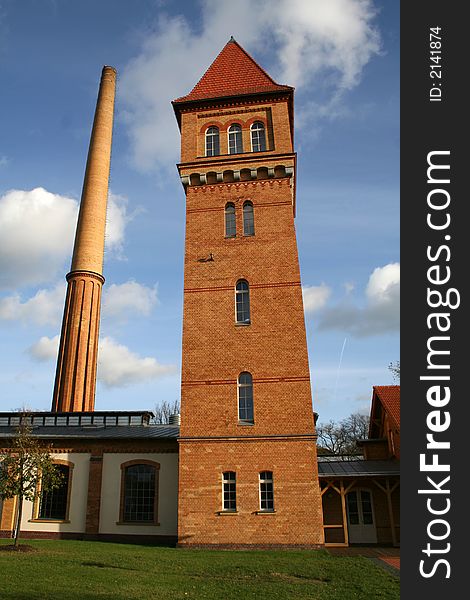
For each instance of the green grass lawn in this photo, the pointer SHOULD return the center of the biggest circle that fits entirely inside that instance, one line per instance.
(72, 570)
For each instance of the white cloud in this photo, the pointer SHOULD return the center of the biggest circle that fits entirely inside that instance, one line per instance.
(119, 367)
(117, 219)
(315, 297)
(36, 236)
(381, 314)
(44, 308)
(37, 231)
(127, 299)
(4, 161)
(383, 284)
(45, 348)
(303, 40)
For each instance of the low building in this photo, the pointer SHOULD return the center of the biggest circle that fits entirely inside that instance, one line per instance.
(361, 495)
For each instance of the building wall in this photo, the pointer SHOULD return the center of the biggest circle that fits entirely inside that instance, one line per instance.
(274, 114)
(297, 519)
(272, 348)
(78, 500)
(167, 495)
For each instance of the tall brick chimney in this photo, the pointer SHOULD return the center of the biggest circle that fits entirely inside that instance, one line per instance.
(75, 380)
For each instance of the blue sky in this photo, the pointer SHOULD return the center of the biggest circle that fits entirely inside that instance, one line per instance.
(342, 56)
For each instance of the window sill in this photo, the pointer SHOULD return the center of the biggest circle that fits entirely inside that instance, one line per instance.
(225, 513)
(139, 523)
(240, 324)
(265, 512)
(48, 520)
(244, 423)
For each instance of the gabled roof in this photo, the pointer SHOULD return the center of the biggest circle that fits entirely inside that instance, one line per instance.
(233, 73)
(389, 397)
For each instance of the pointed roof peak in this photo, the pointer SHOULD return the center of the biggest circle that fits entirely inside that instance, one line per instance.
(233, 73)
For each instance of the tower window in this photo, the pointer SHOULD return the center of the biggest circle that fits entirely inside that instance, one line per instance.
(266, 491)
(245, 398)
(258, 137)
(229, 491)
(139, 492)
(212, 141)
(53, 504)
(235, 143)
(230, 222)
(248, 219)
(242, 302)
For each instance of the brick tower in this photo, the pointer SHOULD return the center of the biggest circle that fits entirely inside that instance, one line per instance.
(75, 379)
(248, 465)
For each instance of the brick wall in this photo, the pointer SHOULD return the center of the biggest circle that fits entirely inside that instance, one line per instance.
(272, 347)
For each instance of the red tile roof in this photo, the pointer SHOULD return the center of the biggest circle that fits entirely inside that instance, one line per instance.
(233, 73)
(389, 396)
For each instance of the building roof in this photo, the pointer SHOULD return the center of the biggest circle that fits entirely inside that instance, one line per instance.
(389, 396)
(99, 432)
(233, 73)
(358, 468)
(87, 425)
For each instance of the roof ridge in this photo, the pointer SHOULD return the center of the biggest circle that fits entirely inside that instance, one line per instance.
(233, 72)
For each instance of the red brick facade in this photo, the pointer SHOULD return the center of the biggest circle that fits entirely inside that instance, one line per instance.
(272, 347)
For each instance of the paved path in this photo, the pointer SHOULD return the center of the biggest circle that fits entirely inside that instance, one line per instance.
(387, 555)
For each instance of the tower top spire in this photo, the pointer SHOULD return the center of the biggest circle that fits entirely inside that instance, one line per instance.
(233, 73)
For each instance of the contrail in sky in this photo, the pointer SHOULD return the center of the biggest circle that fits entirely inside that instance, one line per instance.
(339, 368)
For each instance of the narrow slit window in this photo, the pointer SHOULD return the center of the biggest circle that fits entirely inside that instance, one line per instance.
(266, 491)
(229, 491)
(212, 141)
(235, 143)
(230, 221)
(248, 219)
(245, 398)
(242, 302)
(258, 137)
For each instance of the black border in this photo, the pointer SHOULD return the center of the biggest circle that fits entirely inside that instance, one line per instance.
(428, 126)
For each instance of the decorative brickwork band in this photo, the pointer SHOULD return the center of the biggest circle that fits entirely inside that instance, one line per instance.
(75, 381)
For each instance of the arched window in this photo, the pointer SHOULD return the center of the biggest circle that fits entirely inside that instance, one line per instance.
(245, 398)
(242, 302)
(139, 492)
(212, 141)
(258, 137)
(235, 144)
(54, 503)
(266, 491)
(229, 491)
(248, 219)
(230, 222)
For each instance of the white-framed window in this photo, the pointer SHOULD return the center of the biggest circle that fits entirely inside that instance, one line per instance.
(242, 302)
(229, 491)
(245, 398)
(266, 491)
(230, 220)
(235, 142)
(248, 219)
(258, 137)
(212, 141)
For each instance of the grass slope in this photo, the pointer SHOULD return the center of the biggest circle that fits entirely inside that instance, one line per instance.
(71, 570)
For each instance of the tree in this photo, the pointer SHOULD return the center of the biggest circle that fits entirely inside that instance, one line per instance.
(394, 367)
(341, 438)
(164, 410)
(22, 466)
